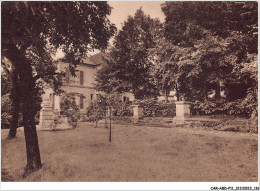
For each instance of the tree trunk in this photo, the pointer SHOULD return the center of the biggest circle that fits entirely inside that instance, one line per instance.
(32, 148)
(106, 118)
(177, 93)
(29, 112)
(28, 106)
(15, 104)
(110, 126)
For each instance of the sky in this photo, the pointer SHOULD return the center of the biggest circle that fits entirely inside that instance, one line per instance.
(122, 9)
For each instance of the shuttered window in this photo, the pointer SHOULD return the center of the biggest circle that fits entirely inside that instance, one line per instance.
(81, 75)
(67, 81)
(81, 102)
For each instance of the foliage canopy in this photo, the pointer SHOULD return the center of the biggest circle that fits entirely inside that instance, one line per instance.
(32, 32)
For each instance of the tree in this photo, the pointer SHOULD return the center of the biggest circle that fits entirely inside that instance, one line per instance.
(128, 63)
(106, 78)
(221, 35)
(168, 65)
(184, 20)
(97, 109)
(31, 32)
(210, 66)
(223, 40)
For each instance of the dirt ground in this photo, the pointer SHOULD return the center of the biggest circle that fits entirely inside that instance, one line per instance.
(137, 153)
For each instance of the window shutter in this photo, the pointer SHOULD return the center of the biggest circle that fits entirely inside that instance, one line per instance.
(67, 76)
(81, 78)
(81, 101)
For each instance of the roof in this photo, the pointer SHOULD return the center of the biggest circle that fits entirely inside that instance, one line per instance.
(94, 60)
(98, 58)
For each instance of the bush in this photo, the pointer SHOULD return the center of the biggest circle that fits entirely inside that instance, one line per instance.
(126, 113)
(207, 108)
(154, 108)
(69, 108)
(243, 107)
(89, 119)
(6, 113)
(96, 110)
(122, 109)
(238, 124)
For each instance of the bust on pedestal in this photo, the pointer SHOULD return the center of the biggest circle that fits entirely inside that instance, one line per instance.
(46, 115)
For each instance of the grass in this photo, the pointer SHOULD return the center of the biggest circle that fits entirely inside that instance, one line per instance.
(213, 122)
(137, 153)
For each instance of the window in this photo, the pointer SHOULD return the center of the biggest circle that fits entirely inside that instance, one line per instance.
(77, 79)
(91, 96)
(81, 101)
(67, 80)
(74, 80)
(81, 76)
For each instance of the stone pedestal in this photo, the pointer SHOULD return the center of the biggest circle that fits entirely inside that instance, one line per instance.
(182, 110)
(46, 116)
(138, 112)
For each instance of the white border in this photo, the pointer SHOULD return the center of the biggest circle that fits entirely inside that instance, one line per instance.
(123, 185)
(133, 185)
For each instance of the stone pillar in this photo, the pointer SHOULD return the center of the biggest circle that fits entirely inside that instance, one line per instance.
(138, 112)
(57, 103)
(46, 115)
(182, 110)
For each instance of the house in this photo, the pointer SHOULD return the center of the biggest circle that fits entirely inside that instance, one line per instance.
(82, 83)
(171, 97)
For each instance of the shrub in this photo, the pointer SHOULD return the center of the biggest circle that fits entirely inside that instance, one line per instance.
(154, 108)
(69, 108)
(95, 110)
(6, 113)
(122, 109)
(126, 113)
(243, 107)
(89, 119)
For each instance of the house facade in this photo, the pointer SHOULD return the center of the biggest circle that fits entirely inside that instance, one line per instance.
(82, 84)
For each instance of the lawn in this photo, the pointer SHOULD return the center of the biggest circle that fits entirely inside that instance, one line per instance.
(137, 153)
